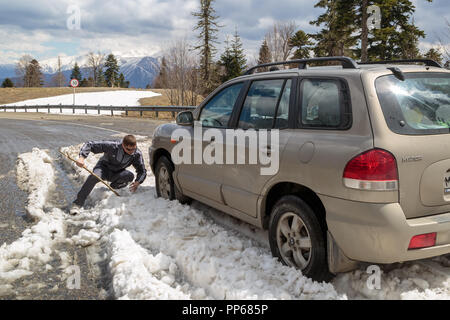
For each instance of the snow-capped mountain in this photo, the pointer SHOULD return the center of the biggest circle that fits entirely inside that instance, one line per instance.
(140, 71)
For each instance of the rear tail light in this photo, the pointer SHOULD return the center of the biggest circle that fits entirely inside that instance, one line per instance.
(423, 241)
(374, 170)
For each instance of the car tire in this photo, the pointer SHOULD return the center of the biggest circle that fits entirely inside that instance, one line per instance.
(165, 185)
(297, 238)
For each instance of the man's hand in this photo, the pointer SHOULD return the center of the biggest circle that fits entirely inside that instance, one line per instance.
(134, 186)
(80, 162)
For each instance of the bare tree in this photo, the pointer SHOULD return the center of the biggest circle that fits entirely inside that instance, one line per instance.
(278, 39)
(58, 80)
(444, 41)
(181, 76)
(95, 65)
(21, 69)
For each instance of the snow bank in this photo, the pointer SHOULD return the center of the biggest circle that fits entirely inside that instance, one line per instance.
(35, 174)
(107, 98)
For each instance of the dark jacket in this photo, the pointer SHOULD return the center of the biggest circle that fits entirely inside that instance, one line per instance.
(115, 158)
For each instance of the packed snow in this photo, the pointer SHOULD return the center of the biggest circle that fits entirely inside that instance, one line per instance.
(157, 249)
(119, 98)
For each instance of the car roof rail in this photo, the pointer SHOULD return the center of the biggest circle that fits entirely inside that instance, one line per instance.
(427, 62)
(347, 63)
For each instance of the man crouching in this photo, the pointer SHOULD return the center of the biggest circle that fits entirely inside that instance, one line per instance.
(117, 156)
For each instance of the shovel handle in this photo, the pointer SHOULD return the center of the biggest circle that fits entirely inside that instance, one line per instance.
(92, 173)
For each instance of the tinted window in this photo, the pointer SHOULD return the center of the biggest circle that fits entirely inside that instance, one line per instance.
(260, 106)
(323, 104)
(217, 111)
(418, 105)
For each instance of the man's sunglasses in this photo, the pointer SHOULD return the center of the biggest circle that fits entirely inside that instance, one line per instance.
(130, 149)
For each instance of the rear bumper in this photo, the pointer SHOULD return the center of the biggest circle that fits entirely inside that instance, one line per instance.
(380, 233)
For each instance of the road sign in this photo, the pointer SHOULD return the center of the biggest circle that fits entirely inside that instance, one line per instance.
(74, 83)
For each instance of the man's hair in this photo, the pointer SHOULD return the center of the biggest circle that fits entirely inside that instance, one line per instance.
(129, 141)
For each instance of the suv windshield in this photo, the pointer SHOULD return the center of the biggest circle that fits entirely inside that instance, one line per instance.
(418, 105)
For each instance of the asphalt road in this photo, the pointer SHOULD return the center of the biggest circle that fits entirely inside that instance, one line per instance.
(20, 133)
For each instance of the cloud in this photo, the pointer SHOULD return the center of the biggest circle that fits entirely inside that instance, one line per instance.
(145, 27)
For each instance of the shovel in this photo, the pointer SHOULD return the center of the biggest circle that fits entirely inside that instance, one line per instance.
(99, 179)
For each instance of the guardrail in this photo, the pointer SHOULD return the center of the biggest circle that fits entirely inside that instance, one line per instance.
(126, 109)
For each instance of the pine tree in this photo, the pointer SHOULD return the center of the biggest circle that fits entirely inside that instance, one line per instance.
(239, 62)
(160, 81)
(302, 42)
(226, 60)
(122, 82)
(435, 55)
(76, 73)
(208, 27)
(264, 53)
(336, 36)
(7, 83)
(33, 75)
(101, 81)
(398, 37)
(112, 71)
(232, 61)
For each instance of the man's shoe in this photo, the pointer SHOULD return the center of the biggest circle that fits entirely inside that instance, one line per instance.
(74, 209)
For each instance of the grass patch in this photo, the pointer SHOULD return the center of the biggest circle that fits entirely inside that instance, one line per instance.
(161, 100)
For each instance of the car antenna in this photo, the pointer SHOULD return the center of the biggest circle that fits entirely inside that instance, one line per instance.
(397, 73)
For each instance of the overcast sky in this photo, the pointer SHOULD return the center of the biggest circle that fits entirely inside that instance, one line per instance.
(146, 27)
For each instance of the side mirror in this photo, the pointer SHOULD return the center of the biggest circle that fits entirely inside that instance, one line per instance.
(185, 118)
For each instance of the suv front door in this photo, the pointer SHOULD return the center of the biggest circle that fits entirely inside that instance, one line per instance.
(205, 179)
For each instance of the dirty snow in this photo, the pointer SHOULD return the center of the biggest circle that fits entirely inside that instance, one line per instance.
(119, 98)
(156, 249)
(35, 174)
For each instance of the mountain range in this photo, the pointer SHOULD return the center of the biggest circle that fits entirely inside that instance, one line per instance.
(140, 71)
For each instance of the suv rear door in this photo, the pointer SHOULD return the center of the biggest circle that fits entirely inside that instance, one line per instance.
(417, 114)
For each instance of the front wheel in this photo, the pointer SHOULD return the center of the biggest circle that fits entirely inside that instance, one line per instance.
(165, 186)
(297, 239)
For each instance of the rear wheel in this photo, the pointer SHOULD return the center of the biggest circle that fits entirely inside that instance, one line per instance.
(297, 238)
(165, 186)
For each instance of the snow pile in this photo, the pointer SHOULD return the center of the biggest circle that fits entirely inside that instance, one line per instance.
(140, 275)
(140, 229)
(35, 175)
(157, 249)
(119, 98)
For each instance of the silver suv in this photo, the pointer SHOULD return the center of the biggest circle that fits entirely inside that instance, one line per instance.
(364, 160)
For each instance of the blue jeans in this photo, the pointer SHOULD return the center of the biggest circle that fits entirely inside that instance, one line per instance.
(118, 180)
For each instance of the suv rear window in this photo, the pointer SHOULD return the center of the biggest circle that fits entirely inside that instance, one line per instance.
(419, 105)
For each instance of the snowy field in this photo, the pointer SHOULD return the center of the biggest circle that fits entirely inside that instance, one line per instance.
(120, 98)
(156, 249)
